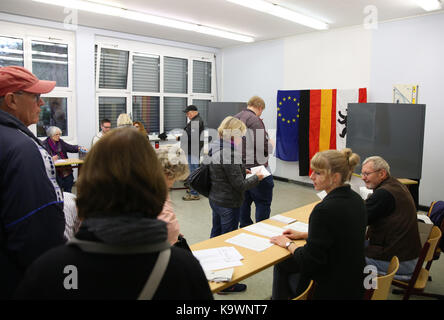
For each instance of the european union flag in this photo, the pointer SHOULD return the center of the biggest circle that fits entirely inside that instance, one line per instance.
(287, 136)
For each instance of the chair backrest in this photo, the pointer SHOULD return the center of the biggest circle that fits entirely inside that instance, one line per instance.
(307, 293)
(435, 236)
(384, 282)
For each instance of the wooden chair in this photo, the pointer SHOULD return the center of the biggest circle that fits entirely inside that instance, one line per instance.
(438, 249)
(384, 282)
(420, 276)
(306, 295)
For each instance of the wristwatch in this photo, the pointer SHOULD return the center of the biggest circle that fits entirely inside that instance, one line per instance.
(287, 244)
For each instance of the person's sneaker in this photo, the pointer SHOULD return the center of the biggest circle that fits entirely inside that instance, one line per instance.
(238, 287)
(189, 197)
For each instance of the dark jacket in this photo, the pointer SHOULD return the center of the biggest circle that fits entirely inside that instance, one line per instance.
(112, 276)
(192, 144)
(257, 147)
(395, 232)
(31, 203)
(227, 174)
(334, 253)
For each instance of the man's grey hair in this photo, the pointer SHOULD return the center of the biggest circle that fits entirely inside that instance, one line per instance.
(52, 131)
(378, 163)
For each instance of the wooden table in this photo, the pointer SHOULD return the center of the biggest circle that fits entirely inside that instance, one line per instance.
(72, 162)
(254, 261)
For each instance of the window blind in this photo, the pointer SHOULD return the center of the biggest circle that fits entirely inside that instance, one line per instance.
(113, 73)
(146, 73)
(201, 76)
(110, 108)
(147, 111)
(175, 75)
(50, 62)
(173, 115)
(11, 52)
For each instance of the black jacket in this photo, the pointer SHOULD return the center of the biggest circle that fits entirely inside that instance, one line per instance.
(31, 202)
(227, 174)
(192, 143)
(334, 253)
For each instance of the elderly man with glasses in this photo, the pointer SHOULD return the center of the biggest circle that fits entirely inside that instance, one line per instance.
(31, 202)
(392, 220)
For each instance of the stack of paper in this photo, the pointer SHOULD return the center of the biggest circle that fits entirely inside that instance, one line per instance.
(218, 258)
(258, 169)
(220, 275)
(250, 242)
(265, 229)
(299, 226)
(283, 219)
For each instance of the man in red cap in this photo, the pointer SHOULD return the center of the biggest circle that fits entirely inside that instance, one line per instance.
(31, 202)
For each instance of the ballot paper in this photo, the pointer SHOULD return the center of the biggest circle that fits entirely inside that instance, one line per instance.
(299, 226)
(424, 218)
(250, 242)
(220, 275)
(365, 193)
(265, 229)
(282, 219)
(258, 169)
(60, 161)
(321, 194)
(218, 258)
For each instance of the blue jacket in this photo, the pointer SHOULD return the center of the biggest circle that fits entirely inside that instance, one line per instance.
(31, 202)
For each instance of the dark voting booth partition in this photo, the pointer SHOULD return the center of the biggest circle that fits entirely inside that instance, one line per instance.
(392, 131)
(218, 111)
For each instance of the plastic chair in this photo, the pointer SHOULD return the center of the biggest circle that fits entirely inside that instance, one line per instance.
(420, 276)
(306, 295)
(384, 282)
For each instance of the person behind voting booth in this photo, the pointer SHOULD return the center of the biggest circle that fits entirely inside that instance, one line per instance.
(256, 149)
(333, 255)
(392, 220)
(119, 197)
(31, 202)
(192, 144)
(228, 183)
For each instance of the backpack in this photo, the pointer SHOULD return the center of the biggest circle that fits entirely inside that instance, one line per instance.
(200, 181)
(436, 214)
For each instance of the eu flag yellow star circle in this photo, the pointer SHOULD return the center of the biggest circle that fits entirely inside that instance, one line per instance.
(288, 110)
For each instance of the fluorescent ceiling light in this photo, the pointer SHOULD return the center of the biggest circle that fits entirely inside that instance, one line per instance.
(146, 18)
(278, 11)
(429, 5)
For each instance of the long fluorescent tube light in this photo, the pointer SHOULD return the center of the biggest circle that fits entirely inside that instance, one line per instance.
(143, 17)
(429, 5)
(278, 11)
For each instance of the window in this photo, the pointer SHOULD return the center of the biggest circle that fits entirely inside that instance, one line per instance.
(152, 83)
(48, 54)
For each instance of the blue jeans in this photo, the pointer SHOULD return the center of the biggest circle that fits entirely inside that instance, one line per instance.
(261, 195)
(193, 164)
(224, 219)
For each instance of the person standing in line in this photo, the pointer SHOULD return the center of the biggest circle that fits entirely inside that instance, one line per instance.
(31, 201)
(333, 255)
(255, 152)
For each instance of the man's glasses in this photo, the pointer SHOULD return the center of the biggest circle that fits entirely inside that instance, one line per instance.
(36, 95)
(366, 174)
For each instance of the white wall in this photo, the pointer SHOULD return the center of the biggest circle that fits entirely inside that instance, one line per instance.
(411, 52)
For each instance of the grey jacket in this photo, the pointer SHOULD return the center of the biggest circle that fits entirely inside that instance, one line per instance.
(227, 174)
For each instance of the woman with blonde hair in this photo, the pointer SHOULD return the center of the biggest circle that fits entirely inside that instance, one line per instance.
(335, 238)
(124, 120)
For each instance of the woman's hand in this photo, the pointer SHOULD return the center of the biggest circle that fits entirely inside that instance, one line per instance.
(295, 235)
(172, 225)
(281, 241)
(248, 171)
(55, 158)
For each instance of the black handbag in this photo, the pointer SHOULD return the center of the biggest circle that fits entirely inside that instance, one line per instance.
(200, 181)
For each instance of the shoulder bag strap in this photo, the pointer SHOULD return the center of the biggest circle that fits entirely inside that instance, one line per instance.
(156, 275)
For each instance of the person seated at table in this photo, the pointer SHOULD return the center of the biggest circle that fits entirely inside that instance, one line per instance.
(139, 126)
(124, 120)
(392, 220)
(333, 255)
(228, 182)
(59, 149)
(119, 197)
(175, 167)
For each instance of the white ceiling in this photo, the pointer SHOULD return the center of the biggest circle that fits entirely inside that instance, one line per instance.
(222, 14)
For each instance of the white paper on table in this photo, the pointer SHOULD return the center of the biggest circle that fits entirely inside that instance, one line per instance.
(250, 242)
(265, 229)
(283, 219)
(322, 194)
(299, 226)
(218, 258)
(220, 275)
(365, 193)
(60, 160)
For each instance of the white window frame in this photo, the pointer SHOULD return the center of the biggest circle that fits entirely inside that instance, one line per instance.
(29, 33)
(142, 48)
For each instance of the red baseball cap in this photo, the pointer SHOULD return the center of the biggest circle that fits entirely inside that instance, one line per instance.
(13, 79)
